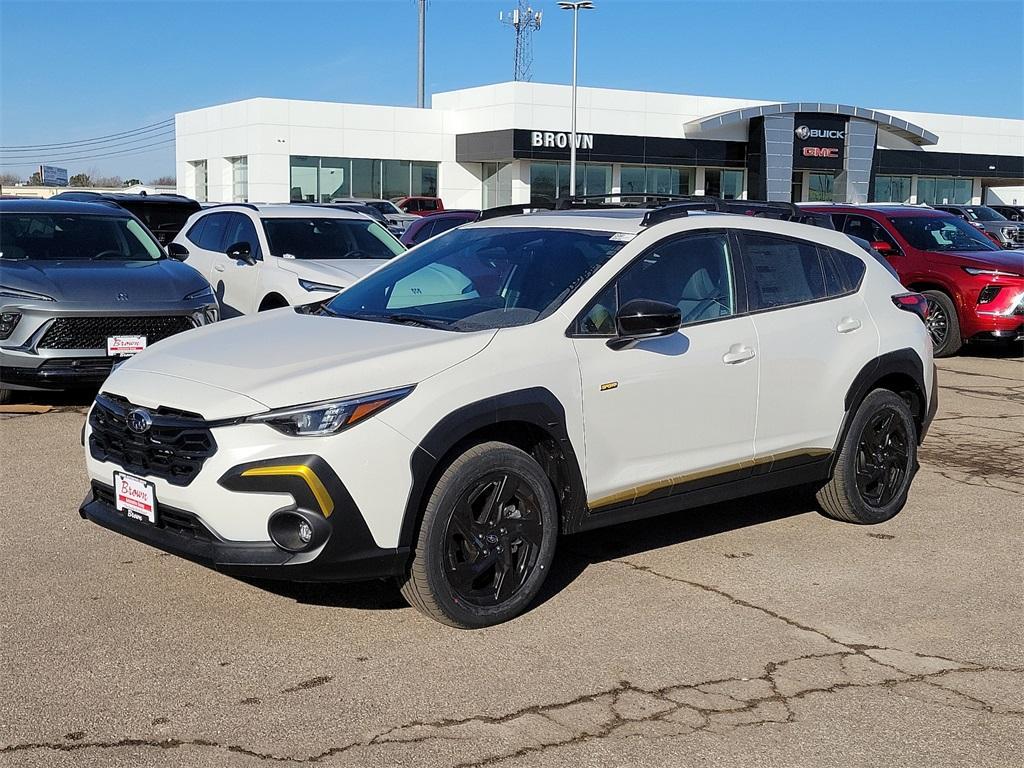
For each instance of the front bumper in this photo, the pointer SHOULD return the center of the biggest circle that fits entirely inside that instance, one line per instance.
(346, 556)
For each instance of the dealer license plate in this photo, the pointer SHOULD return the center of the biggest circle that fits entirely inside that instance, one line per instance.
(125, 346)
(135, 497)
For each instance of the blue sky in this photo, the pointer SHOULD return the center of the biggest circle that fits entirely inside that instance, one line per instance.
(79, 69)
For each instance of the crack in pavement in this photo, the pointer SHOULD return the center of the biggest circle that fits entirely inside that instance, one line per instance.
(627, 710)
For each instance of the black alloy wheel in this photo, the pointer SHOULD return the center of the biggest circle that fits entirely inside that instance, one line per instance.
(883, 458)
(942, 324)
(493, 539)
(937, 323)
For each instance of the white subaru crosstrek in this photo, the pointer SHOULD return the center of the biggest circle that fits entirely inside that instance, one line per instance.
(445, 419)
(260, 257)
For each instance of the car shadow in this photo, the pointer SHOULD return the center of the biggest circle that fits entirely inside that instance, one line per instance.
(994, 350)
(578, 552)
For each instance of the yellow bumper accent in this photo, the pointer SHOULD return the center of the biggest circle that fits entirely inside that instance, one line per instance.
(323, 498)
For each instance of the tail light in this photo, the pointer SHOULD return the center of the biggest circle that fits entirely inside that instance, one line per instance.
(912, 302)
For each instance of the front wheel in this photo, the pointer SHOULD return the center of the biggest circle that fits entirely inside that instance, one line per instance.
(486, 541)
(943, 325)
(876, 463)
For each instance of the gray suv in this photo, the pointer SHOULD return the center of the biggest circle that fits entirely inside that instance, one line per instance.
(1009, 234)
(82, 285)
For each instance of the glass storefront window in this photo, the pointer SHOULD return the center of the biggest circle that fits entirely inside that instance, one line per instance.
(362, 178)
(819, 187)
(656, 179)
(633, 179)
(597, 179)
(543, 182)
(303, 179)
(334, 178)
(239, 179)
(725, 184)
(396, 180)
(199, 167)
(944, 190)
(546, 178)
(424, 179)
(892, 189)
(497, 184)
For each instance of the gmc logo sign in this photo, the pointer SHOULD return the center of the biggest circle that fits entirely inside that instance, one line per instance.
(821, 151)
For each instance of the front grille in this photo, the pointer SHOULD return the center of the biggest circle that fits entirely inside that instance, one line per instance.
(173, 448)
(175, 520)
(1015, 236)
(92, 332)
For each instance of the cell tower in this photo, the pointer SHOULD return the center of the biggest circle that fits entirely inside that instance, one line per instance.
(524, 21)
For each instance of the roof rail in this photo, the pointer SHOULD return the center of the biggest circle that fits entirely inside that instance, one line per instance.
(250, 206)
(515, 209)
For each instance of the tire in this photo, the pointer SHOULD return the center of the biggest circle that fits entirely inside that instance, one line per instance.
(876, 464)
(6, 395)
(486, 540)
(943, 324)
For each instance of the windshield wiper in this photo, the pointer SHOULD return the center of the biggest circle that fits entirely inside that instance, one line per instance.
(426, 322)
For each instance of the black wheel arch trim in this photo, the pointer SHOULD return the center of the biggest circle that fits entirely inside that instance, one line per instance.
(904, 362)
(537, 407)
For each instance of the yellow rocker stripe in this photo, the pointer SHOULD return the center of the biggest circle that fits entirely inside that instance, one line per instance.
(323, 498)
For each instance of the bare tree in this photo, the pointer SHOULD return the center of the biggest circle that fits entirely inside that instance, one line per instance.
(164, 181)
(10, 178)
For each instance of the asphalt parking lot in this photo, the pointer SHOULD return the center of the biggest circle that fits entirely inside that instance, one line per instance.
(755, 633)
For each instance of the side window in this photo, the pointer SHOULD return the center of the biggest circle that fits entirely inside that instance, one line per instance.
(781, 271)
(241, 229)
(851, 266)
(835, 285)
(867, 229)
(428, 205)
(425, 232)
(692, 272)
(195, 232)
(212, 237)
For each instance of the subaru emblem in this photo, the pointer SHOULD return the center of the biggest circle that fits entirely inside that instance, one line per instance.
(139, 420)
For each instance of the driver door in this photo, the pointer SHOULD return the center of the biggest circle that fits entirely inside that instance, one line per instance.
(669, 412)
(239, 277)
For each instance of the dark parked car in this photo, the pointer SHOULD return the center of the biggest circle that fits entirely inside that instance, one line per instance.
(436, 223)
(165, 215)
(82, 285)
(1005, 233)
(1011, 212)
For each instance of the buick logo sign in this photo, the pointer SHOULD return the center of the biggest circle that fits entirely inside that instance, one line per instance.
(804, 133)
(139, 420)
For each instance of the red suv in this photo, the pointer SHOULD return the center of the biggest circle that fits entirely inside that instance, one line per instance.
(974, 289)
(420, 206)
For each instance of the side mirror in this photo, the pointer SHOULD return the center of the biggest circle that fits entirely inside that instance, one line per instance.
(241, 251)
(644, 319)
(884, 248)
(177, 251)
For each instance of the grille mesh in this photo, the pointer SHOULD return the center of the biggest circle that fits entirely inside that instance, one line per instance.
(92, 332)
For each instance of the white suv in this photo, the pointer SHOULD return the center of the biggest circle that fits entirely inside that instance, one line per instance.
(260, 257)
(446, 418)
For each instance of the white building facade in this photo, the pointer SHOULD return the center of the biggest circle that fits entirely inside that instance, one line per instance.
(509, 143)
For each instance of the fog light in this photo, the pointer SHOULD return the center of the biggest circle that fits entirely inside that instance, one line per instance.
(298, 530)
(8, 322)
(305, 532)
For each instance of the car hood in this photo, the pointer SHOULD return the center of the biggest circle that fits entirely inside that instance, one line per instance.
(340, 272)
(1010, 261)
(102, 282)
(285, 357)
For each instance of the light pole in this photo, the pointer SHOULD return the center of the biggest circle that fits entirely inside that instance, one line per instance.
(575, 7)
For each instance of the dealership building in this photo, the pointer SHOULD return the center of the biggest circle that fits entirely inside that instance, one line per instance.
(509, 143)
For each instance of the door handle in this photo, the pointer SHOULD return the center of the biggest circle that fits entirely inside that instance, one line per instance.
(738, 353)
(848, 325)
(219, 267)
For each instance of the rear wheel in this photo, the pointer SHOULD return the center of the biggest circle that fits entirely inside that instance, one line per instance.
(486, 541)
(876, 463)
(943, 325)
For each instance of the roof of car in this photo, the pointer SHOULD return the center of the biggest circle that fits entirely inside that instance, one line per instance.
(126, 197)
(625, 220)
(39, 205)
(289, 210)
(895, 209)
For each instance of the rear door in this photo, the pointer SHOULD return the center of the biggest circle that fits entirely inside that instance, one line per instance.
(205, 241)
(814, 335)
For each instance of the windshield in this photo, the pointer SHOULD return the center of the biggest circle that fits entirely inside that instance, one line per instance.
(984, 213)
(479, 279)
(53, 237)
(941, 233)
(323, 238)
(385, 207)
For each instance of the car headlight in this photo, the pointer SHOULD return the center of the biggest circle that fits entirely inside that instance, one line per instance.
(328, 417)
(18, 293)
(203, 293)
(993, 272)
(310, 285)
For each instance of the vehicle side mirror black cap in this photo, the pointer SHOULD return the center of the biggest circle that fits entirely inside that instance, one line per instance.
(242, 251)
(177, 251)
(645, 319)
